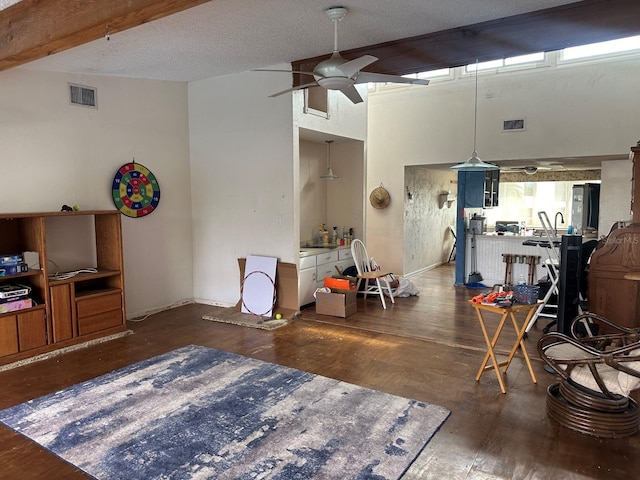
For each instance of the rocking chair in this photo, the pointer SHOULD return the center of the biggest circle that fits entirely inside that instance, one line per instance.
(597, 373)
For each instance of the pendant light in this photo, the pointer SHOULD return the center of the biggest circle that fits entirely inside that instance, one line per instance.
(474, 164)
(329, 175)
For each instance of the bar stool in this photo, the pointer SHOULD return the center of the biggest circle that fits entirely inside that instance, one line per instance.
(508, 260)
(532, 261)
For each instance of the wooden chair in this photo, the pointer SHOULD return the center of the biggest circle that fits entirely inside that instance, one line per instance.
(374, 279)
(597, 373)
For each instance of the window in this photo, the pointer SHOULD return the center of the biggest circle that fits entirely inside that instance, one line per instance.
(602, 48)
(521, 60)
(521, 201)
(440, 73)
(316, 102)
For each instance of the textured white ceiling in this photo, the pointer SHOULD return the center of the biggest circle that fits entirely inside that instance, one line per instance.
(7, 3)
(222, 37)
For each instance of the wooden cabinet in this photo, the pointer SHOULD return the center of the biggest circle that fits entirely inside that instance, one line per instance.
(85, 302)
(614, 268)
(314, 268)
(491, 184)
(345, 259)
(325, 266)
(32, 329)
(61, 313)
(8, 335)
(307, 280)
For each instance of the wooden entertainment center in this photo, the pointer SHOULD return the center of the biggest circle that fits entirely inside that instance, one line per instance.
(614, 269)
(65, 311)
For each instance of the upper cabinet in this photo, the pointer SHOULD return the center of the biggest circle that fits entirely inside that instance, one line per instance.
(491, 184)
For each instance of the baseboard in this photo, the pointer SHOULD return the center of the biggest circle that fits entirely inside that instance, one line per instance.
(422, 270)
(137, 317)
(60, 351)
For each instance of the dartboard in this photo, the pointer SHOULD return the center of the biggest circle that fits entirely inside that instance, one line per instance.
(135, 190)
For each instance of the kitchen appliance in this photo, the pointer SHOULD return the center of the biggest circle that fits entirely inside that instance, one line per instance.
(585, 207)
(477, 224)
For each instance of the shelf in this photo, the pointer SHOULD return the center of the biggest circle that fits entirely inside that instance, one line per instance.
(85, 277)
(84, 294)
(24, 310)
(13, 216)
(30, 273)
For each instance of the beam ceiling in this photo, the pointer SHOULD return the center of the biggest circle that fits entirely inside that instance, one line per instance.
(551, 29)
(33, 29)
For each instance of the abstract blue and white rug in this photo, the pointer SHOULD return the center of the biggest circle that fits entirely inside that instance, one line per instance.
(200, 413)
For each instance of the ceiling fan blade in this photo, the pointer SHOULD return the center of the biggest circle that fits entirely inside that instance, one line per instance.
(352, 94)
(352, 67)
(284, 71)
(299, 87)
(365, 77)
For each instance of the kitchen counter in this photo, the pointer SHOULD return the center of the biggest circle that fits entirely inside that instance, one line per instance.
(318, 263)
(489, 263)
(489, 250)
(536, 236)
(307, 250)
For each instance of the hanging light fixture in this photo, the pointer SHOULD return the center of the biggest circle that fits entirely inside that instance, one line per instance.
(329, 175)
(474, 164)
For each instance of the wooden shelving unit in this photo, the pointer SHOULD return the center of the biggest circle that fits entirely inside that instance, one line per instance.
(66, 311)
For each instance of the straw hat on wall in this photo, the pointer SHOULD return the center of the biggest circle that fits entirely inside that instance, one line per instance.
(379, 197)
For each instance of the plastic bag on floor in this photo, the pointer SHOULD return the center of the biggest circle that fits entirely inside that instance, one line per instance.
(405, 288)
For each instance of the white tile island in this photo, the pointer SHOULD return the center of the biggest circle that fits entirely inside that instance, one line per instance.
(489, 261)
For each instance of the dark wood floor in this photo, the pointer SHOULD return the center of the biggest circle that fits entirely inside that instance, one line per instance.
(427, 347)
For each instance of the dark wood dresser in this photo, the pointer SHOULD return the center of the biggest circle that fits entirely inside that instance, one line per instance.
(614, 271)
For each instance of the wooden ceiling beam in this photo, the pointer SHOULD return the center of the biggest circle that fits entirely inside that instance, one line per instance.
(578, 23)
(33, 29)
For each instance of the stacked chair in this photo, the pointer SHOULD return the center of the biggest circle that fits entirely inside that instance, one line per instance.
(598, 367)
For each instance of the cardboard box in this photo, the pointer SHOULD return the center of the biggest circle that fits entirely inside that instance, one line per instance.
(338, 303)
(286, 289)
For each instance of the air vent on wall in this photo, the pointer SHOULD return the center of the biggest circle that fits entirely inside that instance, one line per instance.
(513, 125)
(84, 96)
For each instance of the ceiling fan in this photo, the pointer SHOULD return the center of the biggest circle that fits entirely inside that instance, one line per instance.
(337, 73)
(533, 169)
(529, 169)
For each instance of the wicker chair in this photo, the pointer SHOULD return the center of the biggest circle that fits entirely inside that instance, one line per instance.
(598, 370)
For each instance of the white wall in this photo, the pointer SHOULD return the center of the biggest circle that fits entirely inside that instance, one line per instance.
(337, 202)
(349, 122)
(345, 207)
(56, 154)
(615, 194)
(570, 111)
(242, 179)
(427, 238)
(313, 189)
(345, 119)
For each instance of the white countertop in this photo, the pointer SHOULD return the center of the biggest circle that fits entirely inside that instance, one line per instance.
(306, 251)
(522, 238)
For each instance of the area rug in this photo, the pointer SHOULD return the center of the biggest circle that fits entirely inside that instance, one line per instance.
(230, 315)
(200, 413)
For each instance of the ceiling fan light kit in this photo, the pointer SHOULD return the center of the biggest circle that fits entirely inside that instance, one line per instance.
(474, 163)
(337, 73)
(329, 175)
